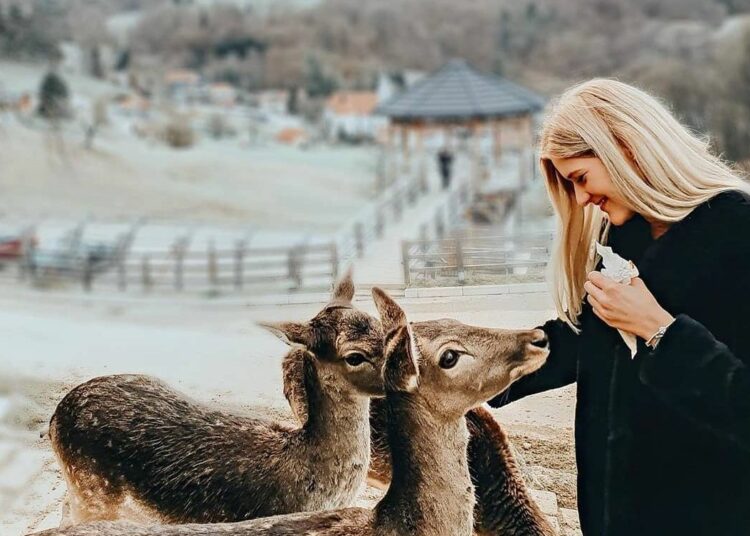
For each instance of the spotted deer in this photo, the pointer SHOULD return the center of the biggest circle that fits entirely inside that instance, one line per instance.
(130, 446)
(434, 373)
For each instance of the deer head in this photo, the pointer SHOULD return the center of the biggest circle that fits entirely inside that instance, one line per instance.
(343, 343)
(450, 366)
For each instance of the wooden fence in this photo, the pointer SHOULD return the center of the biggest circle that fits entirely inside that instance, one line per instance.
(476, 260)
(301, 267)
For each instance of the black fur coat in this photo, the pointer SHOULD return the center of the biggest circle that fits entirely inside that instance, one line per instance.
(663, 440)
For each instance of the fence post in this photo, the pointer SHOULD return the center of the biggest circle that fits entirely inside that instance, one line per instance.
(121, 274)
(334, 261)
(379, 221)
(460, 271)
(26, 265)
(146, 273)
(423, 238)
(439, 223)
(294, 267)
(212, 267)
(411, 190)
(398, 207)
(406, 261)
(359, 238)
(179, 248)
(87, 273)
(424, 186)
(380, 173)
(239, 264)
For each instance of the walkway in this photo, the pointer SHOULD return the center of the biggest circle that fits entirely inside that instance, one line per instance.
(382, 263)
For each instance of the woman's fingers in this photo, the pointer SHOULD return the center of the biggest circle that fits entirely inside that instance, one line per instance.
(596, 292)
(596, 306)
(600, 281)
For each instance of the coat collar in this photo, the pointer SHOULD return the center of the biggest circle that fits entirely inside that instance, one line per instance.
(688, 251)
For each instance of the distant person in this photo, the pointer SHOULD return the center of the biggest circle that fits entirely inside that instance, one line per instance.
(445, 163)
(662, 430)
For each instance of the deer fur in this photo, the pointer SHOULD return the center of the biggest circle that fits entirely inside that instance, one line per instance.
(503, 504)
(431, 493)
(130, 446)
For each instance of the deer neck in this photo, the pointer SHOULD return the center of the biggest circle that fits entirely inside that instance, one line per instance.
(431, 491)
(504, 504)
(336, 415)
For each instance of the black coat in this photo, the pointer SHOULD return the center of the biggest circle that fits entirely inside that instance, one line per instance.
(663, 440)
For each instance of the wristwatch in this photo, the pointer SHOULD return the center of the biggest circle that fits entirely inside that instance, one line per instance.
(653, 342)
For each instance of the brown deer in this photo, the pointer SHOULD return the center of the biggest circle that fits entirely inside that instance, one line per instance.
(503, 504)
(434, 373)
(130, 446)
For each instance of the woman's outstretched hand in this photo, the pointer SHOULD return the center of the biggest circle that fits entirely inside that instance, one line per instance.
(630, 307)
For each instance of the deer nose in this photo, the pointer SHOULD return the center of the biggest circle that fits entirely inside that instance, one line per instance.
(540, 339)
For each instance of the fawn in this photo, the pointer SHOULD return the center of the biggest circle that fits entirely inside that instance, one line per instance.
(434, 373)
(129, 446)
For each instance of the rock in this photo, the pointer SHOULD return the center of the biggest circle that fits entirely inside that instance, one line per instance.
(570, 518)
(546, 500)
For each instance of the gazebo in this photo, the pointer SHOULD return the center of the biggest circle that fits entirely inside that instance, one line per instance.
(458, 96)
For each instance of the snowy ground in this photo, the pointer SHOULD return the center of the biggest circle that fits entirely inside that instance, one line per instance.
(211, 350)
(124, 177)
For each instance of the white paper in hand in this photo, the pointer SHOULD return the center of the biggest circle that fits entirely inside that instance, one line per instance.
(622, 271)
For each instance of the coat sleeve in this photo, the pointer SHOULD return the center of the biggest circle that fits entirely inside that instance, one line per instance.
(559, 370)
(701, 377)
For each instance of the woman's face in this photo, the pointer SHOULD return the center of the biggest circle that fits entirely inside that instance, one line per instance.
(593, 185)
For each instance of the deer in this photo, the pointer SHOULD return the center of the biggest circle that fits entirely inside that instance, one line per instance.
(434, 373)
(503, 503)
(132, 447)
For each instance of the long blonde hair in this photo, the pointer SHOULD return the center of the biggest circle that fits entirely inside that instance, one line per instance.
(673, 172)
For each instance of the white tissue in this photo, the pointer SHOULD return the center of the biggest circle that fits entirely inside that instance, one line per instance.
(622, 271)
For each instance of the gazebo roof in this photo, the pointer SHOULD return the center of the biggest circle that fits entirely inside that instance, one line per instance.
(457, 91)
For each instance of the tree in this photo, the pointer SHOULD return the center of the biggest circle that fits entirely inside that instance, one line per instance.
(317, 82)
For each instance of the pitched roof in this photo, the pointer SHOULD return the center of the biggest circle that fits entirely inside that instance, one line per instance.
(352, 102)
(458, 91)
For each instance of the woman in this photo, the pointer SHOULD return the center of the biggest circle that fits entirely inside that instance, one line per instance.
(662, 438)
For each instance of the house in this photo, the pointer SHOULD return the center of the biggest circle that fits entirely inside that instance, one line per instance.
(182, 85)
(273, 101)
(349, 114)
(222, 94)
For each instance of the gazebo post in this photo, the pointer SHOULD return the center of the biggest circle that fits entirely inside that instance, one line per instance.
(497, 149)
(405, 147)
(422, 158)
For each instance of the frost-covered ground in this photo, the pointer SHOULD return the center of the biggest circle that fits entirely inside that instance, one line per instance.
(126, 177)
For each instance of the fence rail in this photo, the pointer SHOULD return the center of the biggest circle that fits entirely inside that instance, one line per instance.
(299, 267)
(487, 259)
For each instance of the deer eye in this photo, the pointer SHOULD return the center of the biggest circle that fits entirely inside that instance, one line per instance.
(354, 360)
(448, 359)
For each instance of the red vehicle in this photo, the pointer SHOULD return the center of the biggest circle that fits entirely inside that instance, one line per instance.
(11, 247)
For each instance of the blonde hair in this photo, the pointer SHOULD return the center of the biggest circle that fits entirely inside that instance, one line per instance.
(673, 171)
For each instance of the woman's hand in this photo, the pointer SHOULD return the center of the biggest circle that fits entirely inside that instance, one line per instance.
(631, 308)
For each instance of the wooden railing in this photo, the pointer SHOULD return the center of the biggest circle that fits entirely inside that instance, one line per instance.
(118, 266)
(476, 260)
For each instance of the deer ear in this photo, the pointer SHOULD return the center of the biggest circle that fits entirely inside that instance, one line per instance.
(298, 374)
(391, 315)
(401, 371)
(343, 290)
(290, 332)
